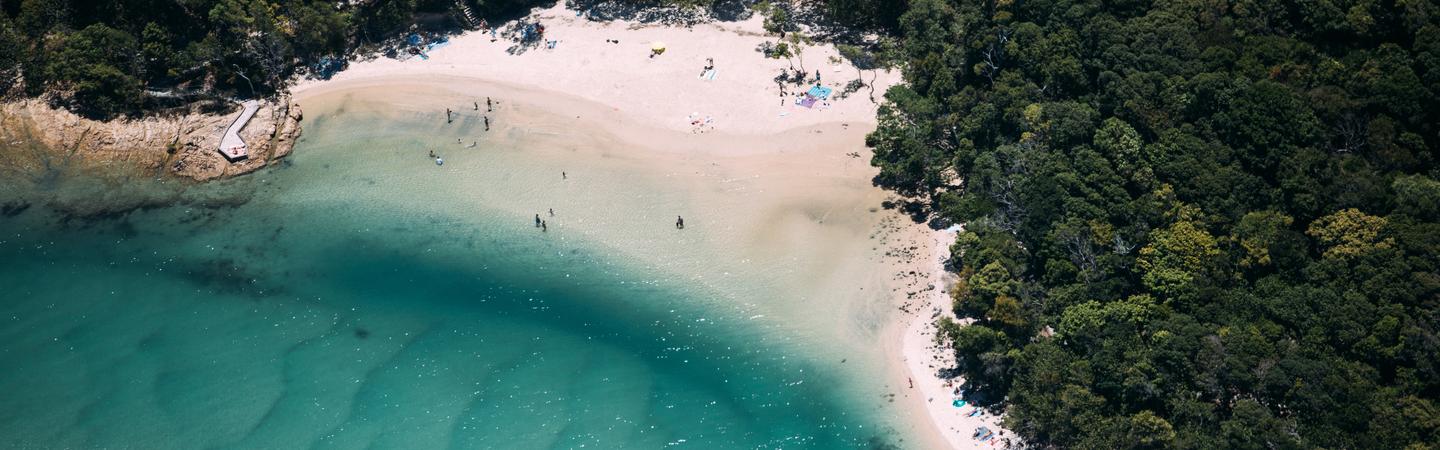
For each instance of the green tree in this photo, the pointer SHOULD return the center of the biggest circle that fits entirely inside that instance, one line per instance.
(1175, 257)
(12, 54)
(1259, 232)
(1148, 430)
(157, 51)
(40, 17)
(1349, 233)
(318, 29)
(97, 66)
(1120, 142)
(1417, 195)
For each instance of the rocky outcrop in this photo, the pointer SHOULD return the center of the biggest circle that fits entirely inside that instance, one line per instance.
(36, 139)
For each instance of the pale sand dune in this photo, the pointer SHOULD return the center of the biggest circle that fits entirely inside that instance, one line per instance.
(626, 97)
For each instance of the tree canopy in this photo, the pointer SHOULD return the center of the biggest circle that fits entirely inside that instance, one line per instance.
(101, 58)
(1188, 224)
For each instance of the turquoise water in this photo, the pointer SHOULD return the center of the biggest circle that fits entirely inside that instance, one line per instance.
(327, 303)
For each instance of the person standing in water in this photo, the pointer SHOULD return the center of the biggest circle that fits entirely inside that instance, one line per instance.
(543, 227)
(679, 223)
(537, 220)
(487, 123)
(563, 176)
(488, 105)
(477, 105)
(552, 212)
(447, 116)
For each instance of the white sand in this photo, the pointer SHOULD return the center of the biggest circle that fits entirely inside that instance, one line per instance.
(752, 135)
(924, 359)
(663, 91)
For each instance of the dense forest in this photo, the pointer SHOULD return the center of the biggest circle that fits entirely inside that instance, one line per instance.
(1188, 223)
(105, 58)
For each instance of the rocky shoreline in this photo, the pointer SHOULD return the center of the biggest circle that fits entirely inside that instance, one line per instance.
(84, 170)
(37, 139)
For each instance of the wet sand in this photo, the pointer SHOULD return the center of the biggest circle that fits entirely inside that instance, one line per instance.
(786, 199)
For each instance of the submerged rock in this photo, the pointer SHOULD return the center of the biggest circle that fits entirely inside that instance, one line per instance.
(86, 170)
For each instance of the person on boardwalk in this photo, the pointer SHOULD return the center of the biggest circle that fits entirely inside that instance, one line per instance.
(538, 221)
(679, 223)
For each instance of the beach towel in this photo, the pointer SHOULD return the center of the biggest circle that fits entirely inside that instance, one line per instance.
(808, 102)
(820, 92)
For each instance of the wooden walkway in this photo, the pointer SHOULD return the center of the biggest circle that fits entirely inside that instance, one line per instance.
(231, 146)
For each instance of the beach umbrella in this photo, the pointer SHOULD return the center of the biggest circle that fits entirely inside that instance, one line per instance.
(657, 47)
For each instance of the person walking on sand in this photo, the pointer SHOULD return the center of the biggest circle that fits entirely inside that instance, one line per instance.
(538, 221)
(488, 105)
(679, 223)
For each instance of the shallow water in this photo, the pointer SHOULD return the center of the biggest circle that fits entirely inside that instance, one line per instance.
(361, 296)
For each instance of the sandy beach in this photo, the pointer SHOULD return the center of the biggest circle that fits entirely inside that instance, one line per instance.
(925, 359)
(665, 91)
(801, 174)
